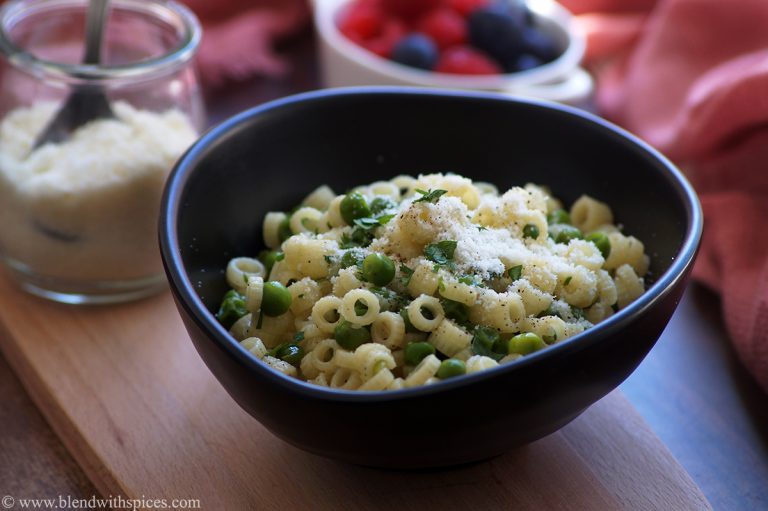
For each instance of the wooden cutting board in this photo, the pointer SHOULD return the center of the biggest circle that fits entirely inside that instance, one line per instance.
(129, 396)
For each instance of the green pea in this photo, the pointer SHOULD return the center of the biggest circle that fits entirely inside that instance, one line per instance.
(526, 343)
(515, 272)
(349, 336)
(232, 308)
(601, 241)
(291, 353)
(269, 258)
(378, 269)
(284, 229)
(415, 352)
(354, 206)
(451, 367)
(559, 216)
(563, 233)
(530, 231)
(276, 299)
(351, 258)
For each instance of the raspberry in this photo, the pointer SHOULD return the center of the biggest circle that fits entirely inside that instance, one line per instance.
(361, 21)
(408, 9)
(391, 32)
(445, 27)
(464, 60)
(464, 7)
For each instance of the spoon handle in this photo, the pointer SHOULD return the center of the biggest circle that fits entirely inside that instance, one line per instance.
(95, 22)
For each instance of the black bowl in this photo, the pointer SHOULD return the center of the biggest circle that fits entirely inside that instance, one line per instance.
(269, 157)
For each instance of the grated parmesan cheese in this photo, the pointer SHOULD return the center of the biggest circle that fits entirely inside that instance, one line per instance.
(86, 208)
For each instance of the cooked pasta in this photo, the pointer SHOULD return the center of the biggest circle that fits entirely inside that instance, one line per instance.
(415, 280)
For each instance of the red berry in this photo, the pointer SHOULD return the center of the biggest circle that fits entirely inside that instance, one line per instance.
(445, 27)
(464, 7)
(464, 60)
(391, 32)
(361, 21)
(408, 9)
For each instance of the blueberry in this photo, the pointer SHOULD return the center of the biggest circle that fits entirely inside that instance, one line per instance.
(416, 50)
(525, 62)
(497, 29)
(521, 6)
(540, 45)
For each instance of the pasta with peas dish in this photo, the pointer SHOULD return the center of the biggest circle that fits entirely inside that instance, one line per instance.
(412, 281)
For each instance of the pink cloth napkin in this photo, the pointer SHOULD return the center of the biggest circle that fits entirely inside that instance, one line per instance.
(691, 78)
(239, 37)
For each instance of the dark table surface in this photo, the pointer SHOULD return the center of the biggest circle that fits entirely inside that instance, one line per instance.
(691, 388)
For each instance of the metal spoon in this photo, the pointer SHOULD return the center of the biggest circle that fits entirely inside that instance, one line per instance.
(86, 102)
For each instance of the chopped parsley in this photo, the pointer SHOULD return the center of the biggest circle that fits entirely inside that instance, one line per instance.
(370, 223)
(471, 280)
(441, 252)
(366, 223)
(430, 195)
(384, 219)
(577, 313)
(358, 238)
(484, 340)
(515, 272)
(389, 299)
(381, 204)
(352, 258)
(407, 274)
(360, 308)
(549, 311)
(456, 311)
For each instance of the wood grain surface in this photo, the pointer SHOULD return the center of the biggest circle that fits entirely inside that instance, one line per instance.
(129, 396)
(33, 462)
(702, 403)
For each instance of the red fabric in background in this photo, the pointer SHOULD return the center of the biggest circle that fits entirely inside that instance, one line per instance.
(239, 37)
(691, 78)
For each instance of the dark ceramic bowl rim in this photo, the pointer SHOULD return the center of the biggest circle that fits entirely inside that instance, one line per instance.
(189, 300)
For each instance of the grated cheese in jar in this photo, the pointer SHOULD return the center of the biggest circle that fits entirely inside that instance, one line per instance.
(86, 209)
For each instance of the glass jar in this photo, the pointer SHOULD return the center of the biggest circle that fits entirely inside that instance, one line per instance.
(78, 218)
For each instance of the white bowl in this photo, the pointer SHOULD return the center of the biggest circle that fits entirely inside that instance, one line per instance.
(344, 63)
